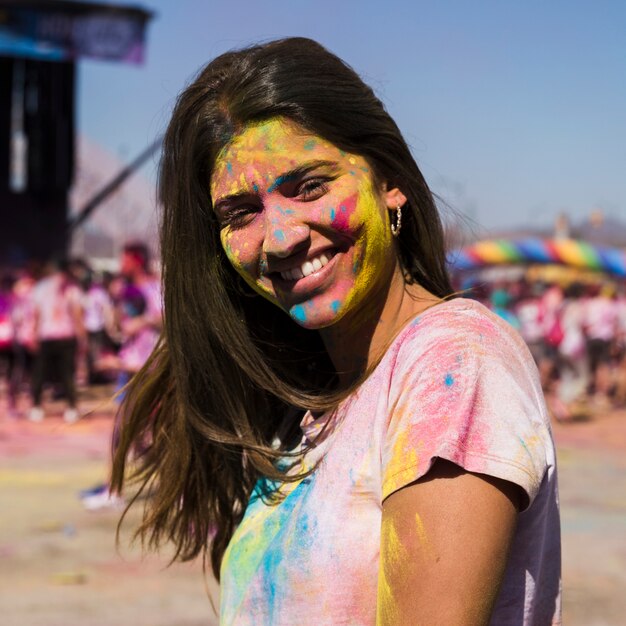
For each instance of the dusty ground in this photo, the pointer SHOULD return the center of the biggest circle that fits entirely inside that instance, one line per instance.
(59, 565)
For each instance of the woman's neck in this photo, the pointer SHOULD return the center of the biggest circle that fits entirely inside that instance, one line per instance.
(359, 339)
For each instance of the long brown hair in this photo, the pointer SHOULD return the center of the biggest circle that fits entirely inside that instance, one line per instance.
(203, 413)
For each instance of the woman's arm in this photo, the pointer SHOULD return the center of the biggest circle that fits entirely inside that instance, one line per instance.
(444, 545)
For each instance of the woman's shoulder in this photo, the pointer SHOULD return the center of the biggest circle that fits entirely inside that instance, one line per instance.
(461, 327)
(460, 318)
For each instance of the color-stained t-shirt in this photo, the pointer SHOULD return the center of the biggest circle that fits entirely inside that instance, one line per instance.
(457, 383)
(55, 299)
(136, 348)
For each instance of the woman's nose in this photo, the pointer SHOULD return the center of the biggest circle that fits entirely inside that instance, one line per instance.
(285, 235)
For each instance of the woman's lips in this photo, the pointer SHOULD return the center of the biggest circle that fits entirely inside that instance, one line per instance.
(306, 284)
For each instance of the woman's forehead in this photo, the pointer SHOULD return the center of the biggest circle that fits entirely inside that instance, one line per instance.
(270, 139)
(269, 148)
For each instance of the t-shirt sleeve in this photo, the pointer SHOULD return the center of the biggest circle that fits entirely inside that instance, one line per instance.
(464, 388)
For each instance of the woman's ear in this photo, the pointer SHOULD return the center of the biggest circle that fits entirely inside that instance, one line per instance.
(393, 197)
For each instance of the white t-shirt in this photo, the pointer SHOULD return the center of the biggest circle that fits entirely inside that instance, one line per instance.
(457, 383)
(53, 299)
(601, 318)
(529, 314)
(573, 344)
(98, 308)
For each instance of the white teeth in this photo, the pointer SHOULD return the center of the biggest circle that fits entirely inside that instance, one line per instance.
(308, 267)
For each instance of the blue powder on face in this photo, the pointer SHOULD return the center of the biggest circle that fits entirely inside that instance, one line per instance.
(334, 305)
(310, 144)
(332, 214)
(449, 380)
(229, 167)
(280, 235)
(280, 181)
(299, 313)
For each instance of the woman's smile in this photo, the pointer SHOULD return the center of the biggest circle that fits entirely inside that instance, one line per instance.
(302, 221)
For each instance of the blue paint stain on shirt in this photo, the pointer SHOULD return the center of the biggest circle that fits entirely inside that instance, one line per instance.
(449, 380)
(299, 313)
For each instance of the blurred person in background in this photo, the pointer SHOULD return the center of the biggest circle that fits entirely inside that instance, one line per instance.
(620, 375)
(139, 317)
(24, 343)
(573, 362)
(59, 333)
(601, 324)
(99, 318)
(529, 311)
(7, 338)
(501, 303)
(552, 331)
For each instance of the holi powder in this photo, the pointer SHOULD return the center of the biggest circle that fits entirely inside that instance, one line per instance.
(341, 218)
(260, 542)
(391, 558)
(350, 214)
(373, 248)
(405, 448)
(422, 538)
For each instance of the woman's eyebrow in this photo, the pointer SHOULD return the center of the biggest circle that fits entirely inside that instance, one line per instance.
(281, 179)
(299, 171)
(231, 198)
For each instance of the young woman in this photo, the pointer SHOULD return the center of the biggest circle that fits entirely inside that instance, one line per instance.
(346, 442)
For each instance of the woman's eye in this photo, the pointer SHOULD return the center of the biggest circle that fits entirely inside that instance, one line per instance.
(313, 188)
(238, 216)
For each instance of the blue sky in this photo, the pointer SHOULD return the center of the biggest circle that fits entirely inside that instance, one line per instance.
(515, 111)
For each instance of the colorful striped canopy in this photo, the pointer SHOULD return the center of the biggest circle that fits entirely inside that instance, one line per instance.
(525, 251)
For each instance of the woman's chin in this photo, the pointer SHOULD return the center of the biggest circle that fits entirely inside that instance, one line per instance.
(312, 319)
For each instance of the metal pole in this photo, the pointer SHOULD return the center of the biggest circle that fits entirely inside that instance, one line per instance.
(110, 187)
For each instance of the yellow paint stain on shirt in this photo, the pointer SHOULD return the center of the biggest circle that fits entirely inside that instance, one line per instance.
(405, 453)
(391, 556)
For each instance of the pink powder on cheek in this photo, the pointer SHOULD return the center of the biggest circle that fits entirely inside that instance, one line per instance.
(341, 215)
(241, 253)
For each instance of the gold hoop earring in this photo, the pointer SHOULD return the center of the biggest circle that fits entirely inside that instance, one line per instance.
(395, 228)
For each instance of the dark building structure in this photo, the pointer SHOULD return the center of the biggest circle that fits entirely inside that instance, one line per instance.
(40, 42)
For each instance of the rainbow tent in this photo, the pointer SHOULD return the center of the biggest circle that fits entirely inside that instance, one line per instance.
(527, 251)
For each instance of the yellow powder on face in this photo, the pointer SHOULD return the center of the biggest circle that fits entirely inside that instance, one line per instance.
(377, 245)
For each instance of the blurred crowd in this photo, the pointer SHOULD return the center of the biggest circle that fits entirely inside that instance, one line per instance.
(576, 334)
(63, 324)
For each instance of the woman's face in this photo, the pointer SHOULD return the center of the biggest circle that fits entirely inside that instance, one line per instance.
(303, 222)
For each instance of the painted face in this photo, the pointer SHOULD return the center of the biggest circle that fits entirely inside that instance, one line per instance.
(302, 221)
